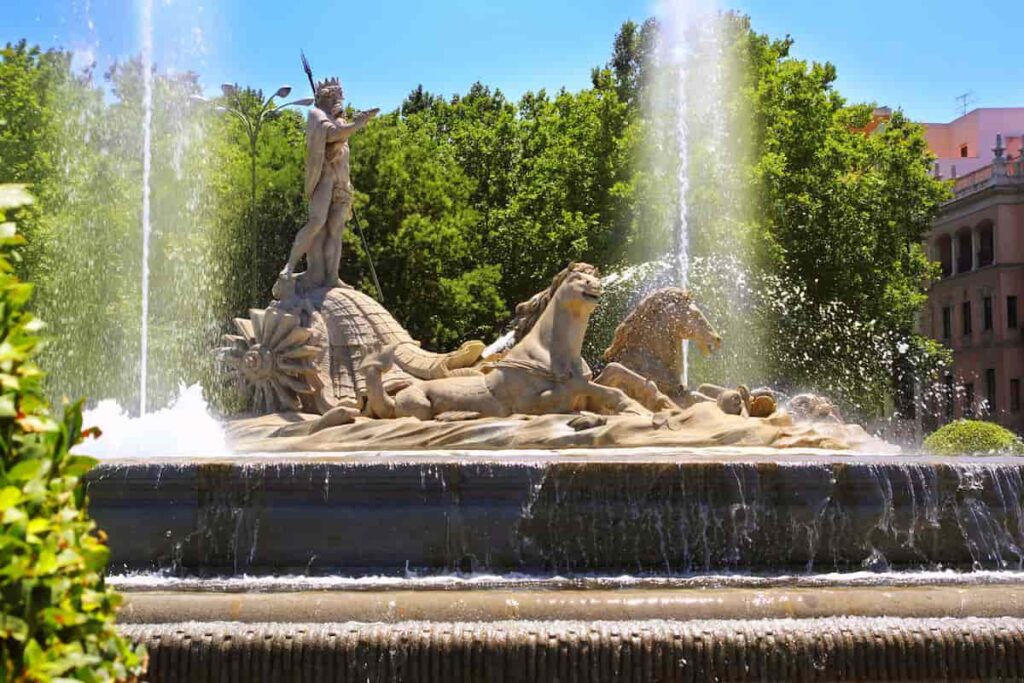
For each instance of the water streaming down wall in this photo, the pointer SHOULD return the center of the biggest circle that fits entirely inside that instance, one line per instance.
(642, 514)
(359, 516)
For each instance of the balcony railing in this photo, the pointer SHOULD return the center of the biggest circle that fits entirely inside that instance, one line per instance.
(999, 171)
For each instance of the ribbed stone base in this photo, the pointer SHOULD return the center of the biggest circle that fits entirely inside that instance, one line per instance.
(876, 649)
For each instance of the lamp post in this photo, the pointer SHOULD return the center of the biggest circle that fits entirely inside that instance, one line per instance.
(252, 119)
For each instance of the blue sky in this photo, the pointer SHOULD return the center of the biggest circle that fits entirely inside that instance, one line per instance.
(914, 54)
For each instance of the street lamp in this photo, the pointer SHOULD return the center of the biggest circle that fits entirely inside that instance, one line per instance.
(252, 119)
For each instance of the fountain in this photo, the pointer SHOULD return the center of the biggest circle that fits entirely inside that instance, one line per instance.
(147, 161)
(502, 512)
(620, 564)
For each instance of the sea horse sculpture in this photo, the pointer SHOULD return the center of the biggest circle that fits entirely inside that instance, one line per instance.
(543, 373)
(649, 341)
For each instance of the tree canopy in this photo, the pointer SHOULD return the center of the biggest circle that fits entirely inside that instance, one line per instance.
(469, 203)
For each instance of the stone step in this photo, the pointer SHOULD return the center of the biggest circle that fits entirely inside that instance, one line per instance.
(848, 649)
(479, 605)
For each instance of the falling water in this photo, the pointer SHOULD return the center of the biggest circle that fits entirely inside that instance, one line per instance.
(682, 235)
(136, 174)
(681, 22)
(682, 241)
(698, 153)
(147, 128)
(678, 19)
(185, 428)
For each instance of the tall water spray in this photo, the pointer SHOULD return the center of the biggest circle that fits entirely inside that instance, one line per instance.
(134, 168)
(147, 159)
(678, 23)
(697, 147)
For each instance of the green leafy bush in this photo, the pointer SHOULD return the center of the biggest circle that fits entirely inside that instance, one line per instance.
(56, 614)
(973, 436)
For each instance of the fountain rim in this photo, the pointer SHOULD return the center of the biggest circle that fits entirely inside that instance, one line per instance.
(320, 606)
(650, 455)
(156, 582)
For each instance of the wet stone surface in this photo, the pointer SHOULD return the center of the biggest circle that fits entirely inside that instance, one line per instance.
(570, 513)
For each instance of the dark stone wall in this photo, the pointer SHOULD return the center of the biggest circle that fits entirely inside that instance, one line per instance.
(571, 515)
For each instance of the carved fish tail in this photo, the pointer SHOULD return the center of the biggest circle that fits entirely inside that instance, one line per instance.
(424, 364)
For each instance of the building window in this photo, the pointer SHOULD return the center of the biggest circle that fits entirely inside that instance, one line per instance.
(1011, 312)
(969, 399)
(963, 255)
(990, 390)
(986, 245)
(1015, 394)
(986, 312)
(944, 247)
(963, 151)
(947, 322)
(965, 311)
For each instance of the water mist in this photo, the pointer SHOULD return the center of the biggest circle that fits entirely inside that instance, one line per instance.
(696, 150)
(147, 167)
(133, 291)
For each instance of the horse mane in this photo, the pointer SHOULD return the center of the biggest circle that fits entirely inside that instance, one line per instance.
(529, 312)
(643, 319)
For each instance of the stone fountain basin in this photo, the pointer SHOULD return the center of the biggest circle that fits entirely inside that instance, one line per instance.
(661, 511)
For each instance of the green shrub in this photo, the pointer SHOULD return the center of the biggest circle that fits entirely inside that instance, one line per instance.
(973, 436)
(56, 614)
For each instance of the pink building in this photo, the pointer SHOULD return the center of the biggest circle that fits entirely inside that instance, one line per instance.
(975, 308)
(965, 144)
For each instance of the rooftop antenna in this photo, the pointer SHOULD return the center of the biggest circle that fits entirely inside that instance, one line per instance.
(963, 101)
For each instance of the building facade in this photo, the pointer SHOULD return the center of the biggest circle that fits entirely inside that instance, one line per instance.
(965, 144)
(975, 307)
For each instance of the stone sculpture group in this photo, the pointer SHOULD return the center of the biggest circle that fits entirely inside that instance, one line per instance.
(329, 365)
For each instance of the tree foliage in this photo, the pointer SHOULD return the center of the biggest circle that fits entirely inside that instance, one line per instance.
(84, 234)
(842, 214)
(56, 614)
(469, 203)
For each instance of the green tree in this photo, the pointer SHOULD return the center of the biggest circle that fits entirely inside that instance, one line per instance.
(470, 203)
(30, 80)
(842, 213)
(632, 52)
(415, 204)
(417, 101)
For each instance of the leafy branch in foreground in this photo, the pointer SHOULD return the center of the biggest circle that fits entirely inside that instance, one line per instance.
(56, 614)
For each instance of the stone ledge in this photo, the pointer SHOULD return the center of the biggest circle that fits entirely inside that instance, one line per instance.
(314, 606)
